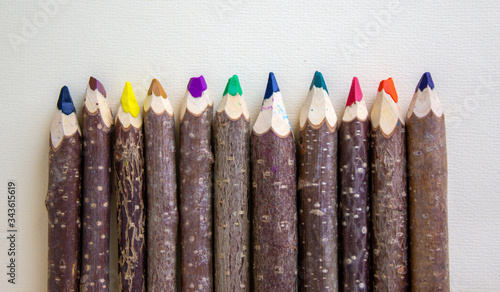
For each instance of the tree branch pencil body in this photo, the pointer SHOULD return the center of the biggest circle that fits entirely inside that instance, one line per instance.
(389, 194)
(274, 196)
(231, 140)
(354, 203)
(196, 161)
(428, 179)
(129, 185)
(317, 191)
(162, 214)
(63, 197)
(97, 126)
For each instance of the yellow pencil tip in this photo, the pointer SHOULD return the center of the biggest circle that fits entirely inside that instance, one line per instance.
(129, 102)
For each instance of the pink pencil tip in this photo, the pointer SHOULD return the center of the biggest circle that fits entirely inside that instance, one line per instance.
(355, 94)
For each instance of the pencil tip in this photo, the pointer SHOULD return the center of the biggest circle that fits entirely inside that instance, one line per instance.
(425, 81)
(95, 84)
(355, 94)
(318, 81)
(233, 86)
(388, 86)
(272, 86)
(157, 89)
(128, 101)
(196, 86)
(65, 103)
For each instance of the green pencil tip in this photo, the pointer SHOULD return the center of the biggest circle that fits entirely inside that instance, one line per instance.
(233, 86)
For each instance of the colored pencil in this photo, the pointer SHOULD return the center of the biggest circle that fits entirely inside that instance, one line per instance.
(354, 203)
(63, 197)
(162, 218)
(129, 185)
(389, 199)
(231, 140)
(317, 190)
(195, 163)
(97, 126)
(274, 196)
(428, 180)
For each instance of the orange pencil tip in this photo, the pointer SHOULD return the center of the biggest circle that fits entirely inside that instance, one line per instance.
(388, 86)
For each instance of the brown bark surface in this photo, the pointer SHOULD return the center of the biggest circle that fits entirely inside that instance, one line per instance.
(96, 198)
(129, 185)
(428, 180)
(231, 194)
(162, 212)
(390, 215)
(63, 208)
(195, 163)
(274, 212)
(355, 223)
(317, 192)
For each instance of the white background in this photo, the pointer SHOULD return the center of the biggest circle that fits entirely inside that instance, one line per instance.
(46, 46)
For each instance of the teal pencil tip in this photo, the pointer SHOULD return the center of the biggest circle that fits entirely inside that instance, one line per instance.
(318, 81)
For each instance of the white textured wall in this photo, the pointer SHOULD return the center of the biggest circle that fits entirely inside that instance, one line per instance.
(44, 47)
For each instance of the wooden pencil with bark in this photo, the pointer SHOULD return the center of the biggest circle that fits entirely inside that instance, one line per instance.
(231, 140)
(354, 203)
(274, 196)
(389, 194)
(162, 215)
(317, 190)
(97, 130)
(428, 180)
(63, 197)
(129, 186)
(195, 181)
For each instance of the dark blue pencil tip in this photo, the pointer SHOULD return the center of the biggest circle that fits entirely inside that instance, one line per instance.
(65, 103)
(272, 86)
(425, 81)
(318, 81)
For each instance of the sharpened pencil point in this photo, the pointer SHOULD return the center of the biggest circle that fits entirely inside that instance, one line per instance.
(129, 102)
(272, 86)
(196, 86)
(65, 103)
(233, 86)
(388, 86)
(355, 94)
(425, 81)
(318, 81)
(156, 89)
(95, 84)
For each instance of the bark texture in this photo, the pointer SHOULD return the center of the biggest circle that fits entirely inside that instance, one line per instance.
(162, 212)
(390, 215)
(196, 161)
(355, 226)
(231, 192)
(317, 191)
(96, 198)
(274, 212)
(63, 207)
(428, 180)
(129, 185)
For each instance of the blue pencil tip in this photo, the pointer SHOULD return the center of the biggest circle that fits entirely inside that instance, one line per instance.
(65, 103)
(272, 86)
(425, 81)
(318, 81)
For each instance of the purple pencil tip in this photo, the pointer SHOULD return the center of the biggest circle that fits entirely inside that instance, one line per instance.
(196, 86)
(95, 84)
